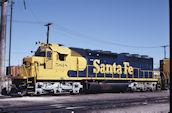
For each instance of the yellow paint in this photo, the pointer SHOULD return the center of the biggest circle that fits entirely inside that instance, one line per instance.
(119, 69)
(114, 68)
(102, 68)
(97, 68)
(111, 69)
(127, 68)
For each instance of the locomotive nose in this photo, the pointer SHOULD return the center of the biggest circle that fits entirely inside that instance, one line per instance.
(27, 61)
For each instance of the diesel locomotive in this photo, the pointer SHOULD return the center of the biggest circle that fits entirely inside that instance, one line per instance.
(55, 69)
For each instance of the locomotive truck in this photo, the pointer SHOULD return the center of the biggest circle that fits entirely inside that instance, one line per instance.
(55, 69)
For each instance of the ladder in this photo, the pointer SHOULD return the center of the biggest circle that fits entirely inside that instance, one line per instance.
(30, 85)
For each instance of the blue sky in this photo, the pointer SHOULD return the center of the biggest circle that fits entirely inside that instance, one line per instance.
(111, 25)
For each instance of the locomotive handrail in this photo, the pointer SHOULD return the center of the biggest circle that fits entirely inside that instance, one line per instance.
(77, 72)
(19, 71)
(87, 71)
(112, 75)
(119, 75)
(36, 72)
(25, 71)
(104, 74)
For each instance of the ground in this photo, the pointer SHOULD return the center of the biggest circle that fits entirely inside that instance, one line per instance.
(138, 102)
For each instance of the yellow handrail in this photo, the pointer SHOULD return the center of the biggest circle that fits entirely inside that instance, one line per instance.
(25, 71)
(87, 71)
(104, 74)
(112, 75)
(143, 74)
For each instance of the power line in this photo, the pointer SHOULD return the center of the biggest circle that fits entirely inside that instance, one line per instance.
(99, 40)
(78, 34)
(28, 22)
(31, 12)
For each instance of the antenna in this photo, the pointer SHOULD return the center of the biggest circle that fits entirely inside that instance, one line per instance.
(24, 2)
(48, 31)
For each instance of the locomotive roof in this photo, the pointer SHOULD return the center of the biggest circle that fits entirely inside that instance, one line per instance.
(85, 52)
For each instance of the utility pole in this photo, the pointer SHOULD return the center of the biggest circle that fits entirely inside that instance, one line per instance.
(4, 5)
(165, 50)
(9, 63)
(48, 31)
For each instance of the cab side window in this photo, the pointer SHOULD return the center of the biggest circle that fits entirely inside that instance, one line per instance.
(62, 57)
(49, 54)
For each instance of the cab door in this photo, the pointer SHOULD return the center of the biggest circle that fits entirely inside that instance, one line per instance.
(49, 60)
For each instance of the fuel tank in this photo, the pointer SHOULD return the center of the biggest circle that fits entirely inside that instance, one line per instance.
(107, 87)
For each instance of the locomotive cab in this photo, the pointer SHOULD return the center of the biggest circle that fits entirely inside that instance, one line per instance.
(52, 62)
(47, 59)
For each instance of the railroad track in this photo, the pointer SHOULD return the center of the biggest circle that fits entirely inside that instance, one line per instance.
(72, 107)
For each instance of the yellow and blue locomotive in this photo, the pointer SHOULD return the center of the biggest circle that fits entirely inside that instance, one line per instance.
(57, 69)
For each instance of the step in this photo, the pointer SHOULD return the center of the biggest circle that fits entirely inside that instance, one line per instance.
(30, 87)
(29, 81)
(30, 92)
(23, 85)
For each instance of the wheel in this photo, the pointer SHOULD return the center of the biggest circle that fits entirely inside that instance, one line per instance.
(4, 91)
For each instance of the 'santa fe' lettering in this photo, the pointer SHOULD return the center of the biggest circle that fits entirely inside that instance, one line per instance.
(112, 69)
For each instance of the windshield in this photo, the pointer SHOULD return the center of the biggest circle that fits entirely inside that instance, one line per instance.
(40, 52)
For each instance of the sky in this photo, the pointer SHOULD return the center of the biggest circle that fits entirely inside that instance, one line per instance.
(121, 26)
